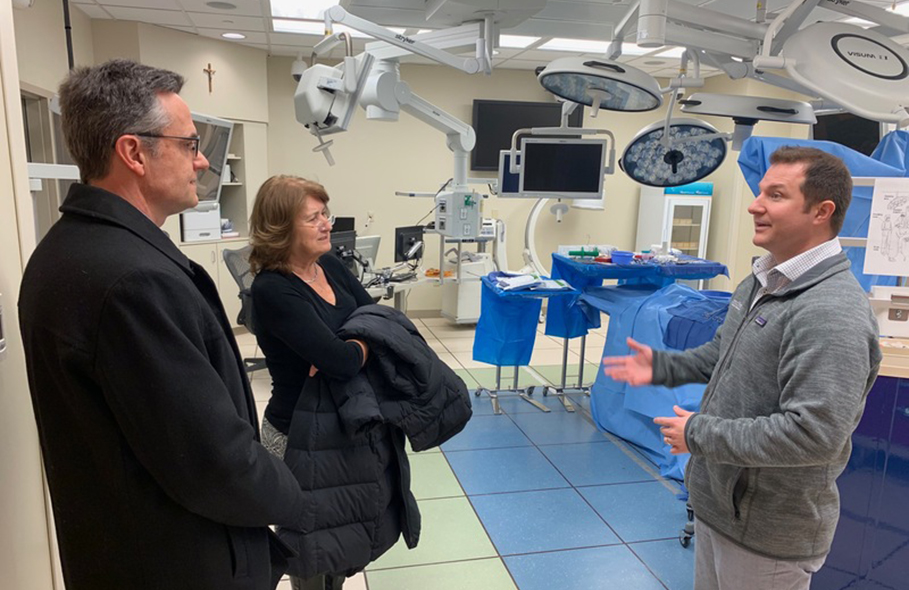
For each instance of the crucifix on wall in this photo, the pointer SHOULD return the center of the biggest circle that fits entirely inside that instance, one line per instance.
(210, 72)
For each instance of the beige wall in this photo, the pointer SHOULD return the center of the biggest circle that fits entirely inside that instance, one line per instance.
(41, 43)
(239, 87)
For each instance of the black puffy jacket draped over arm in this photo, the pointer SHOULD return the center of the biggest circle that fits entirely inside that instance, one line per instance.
(346, 444)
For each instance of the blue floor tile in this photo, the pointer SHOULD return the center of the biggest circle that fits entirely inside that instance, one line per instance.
(557, 428)
(480, 404)
(579, 398)
(638, 511)
(672, 563)
(513, 404)
(487, 432)
(582, 569)
(588, 464)
(514, 469)
(547, 520)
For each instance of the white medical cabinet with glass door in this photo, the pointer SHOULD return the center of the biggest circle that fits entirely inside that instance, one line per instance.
(678, 215)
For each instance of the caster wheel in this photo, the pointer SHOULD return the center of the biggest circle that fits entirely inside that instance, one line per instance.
(685, 540)
(476, 392)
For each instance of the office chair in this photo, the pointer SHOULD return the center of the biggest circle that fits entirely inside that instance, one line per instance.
(237, 262)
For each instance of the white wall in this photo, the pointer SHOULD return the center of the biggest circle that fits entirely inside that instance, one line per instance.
(25, 554)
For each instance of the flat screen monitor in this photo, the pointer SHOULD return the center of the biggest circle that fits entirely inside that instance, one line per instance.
(214, 143)
(341, 242)
(849, 130)
(562, 168)
(495, 122)
(510, 184)
(368, 247)
(405, 240)
(344, 224)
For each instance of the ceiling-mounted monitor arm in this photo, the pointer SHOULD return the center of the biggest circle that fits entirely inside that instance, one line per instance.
(515, 168)
(470, 65)
(461, 137)
(670, 22)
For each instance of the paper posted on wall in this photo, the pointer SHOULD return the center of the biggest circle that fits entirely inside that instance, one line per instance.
(887, 249)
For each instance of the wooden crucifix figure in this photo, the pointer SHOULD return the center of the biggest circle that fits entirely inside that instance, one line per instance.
(210, 73)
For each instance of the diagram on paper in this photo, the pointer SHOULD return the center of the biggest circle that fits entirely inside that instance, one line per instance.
(887, 250)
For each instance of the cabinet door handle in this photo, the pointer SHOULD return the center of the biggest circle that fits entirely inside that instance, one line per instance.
(212, 256)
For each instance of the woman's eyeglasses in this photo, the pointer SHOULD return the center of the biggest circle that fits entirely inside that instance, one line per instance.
(317, 220)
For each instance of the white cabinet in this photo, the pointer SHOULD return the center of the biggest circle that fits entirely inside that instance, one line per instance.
(677, 218)
(210, 256)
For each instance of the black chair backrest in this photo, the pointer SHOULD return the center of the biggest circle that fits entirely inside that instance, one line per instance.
(237, 262)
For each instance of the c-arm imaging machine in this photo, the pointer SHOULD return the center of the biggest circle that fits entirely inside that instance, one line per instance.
(327, 96)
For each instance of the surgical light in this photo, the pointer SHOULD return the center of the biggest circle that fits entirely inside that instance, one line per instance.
(687, 157)
(601, 84)
(860, 69)
(745, 111)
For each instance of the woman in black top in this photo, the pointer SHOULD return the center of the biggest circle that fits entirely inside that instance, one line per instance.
(301, 296)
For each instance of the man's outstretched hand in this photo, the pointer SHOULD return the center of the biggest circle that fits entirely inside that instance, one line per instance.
(635, 369)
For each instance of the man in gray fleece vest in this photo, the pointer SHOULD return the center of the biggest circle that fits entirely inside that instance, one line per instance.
(787, 376)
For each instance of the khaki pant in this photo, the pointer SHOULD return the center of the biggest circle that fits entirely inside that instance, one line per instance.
(720, 564)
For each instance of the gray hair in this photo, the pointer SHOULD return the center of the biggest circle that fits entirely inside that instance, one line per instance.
(99, 104)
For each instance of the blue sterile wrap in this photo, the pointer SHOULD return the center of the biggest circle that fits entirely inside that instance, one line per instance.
(508, 320)
(890, 158)
(693, 323)
(565, 319)
(642, 312)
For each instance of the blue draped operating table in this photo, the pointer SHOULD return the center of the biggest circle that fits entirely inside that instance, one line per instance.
(506, 330)
(648, 306)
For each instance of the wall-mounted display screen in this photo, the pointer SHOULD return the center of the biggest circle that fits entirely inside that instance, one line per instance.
(495, 122)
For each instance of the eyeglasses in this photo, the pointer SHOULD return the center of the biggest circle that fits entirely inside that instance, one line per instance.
(319, 218)
(194, 139)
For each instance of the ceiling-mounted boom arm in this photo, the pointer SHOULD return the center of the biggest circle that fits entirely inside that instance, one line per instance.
(470, 65)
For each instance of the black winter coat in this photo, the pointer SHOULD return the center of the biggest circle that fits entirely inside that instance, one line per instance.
(147, 422)
(346, 445)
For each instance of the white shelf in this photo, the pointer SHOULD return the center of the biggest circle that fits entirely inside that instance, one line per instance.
(233, 157)
(231, 184)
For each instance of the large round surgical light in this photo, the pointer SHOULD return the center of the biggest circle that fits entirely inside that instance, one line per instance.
(601, 84)
(860, 69)
(648, 160)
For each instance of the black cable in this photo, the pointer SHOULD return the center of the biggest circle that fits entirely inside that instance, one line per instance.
(434, 207)
(68, 28)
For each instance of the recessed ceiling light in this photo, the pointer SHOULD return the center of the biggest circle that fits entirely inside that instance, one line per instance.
(221, 5)
(297, 9)
(516, 41)
(233, 35)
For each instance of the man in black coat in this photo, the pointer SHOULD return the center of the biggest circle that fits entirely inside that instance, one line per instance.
(147, 423)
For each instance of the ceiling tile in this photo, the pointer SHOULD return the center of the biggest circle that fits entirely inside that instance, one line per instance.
(244, 7)
(190, 30)
(159, 4)
(211, 20)
(152, 17)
